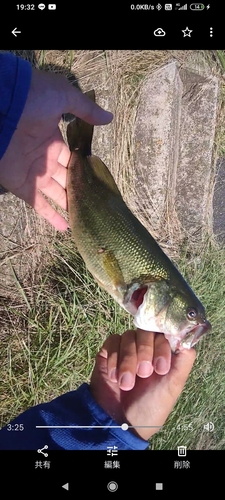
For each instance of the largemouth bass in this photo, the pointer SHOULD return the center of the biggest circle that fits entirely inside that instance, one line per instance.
(121, 254)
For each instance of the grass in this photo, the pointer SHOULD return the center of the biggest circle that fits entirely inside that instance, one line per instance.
(53, 343)
(54, 324)
(221, 56)
(204, 395)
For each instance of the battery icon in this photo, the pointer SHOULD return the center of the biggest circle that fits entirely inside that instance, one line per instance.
(197, 6)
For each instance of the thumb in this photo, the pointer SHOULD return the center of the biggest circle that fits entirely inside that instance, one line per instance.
(100, 363)
(82, 106)
(181, 366)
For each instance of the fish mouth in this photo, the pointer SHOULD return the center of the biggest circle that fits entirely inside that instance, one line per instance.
(195, 334)
(134, 298)
(138, 296)
(185, 338)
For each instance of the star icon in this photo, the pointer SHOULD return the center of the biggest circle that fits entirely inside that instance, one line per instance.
(187, 32)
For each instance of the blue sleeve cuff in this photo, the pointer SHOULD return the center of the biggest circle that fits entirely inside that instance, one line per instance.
(15, 79)
(75, 408)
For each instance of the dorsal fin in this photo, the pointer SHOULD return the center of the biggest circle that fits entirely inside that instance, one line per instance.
(102, 172)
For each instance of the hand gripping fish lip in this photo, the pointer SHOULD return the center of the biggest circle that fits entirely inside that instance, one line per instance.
(195, 334)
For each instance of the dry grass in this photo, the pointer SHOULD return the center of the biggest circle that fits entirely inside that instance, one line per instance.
(117, 77)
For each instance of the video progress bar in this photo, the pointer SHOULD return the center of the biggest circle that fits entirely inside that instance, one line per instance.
(124, 427)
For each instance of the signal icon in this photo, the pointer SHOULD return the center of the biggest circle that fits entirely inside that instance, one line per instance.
(184, 7)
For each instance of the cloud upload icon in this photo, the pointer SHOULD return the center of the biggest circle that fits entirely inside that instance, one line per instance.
(159, 32)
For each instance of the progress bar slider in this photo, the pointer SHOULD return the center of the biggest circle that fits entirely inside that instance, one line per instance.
(124, 427)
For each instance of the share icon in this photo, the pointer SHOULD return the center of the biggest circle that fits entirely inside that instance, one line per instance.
(41, 450)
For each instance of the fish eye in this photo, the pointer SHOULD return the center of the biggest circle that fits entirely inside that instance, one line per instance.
(191, 313)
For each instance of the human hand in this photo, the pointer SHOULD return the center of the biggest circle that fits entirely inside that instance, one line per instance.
(35, 160)
(139, 397)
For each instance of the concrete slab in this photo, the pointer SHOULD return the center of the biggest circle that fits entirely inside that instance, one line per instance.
(103, 138)
(194, 170)
(157, 145)
(219, 202)
(103, 142)
(174, 135)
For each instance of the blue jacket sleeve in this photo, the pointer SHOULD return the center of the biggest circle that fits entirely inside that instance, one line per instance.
(15, 79)
(75, 408)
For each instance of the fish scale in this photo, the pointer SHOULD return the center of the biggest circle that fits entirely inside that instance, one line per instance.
(115, 229)
(121, 254)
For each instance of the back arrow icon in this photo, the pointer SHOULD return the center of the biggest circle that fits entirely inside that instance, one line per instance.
(14, 32)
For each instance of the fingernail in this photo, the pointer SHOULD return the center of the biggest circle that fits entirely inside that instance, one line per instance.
(107, 116)
(161, 366)
(113, 375)
(127, 381)
(144, 369)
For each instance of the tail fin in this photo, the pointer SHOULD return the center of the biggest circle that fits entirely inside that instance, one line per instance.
(79, 133)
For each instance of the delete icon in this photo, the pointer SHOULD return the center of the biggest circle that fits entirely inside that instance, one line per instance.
(182, 451)
(159, 32)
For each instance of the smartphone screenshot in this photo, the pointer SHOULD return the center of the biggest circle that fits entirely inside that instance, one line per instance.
(112, 231)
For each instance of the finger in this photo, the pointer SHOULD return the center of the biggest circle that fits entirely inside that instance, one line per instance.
(181, 366)
(108, 355)
(56, 192)
(80, 105)
(107, 346)
(112, 345)
(127, 363)
(57, 149)
(43, 208)
(102, 354)
(162, 354)
(145, 349)
(100, 363)
(64, 155)
(60, 175)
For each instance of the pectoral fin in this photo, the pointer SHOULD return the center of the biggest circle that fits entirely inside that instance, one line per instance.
(112, 268)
